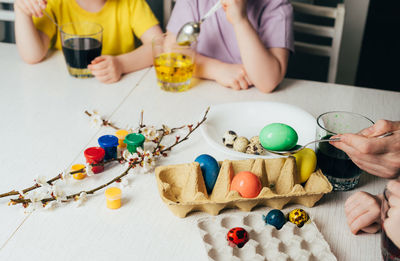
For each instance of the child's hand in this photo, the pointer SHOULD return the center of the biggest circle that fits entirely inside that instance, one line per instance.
(377, 156)
(235, 10)
(392, 222)
(31, 7)
(233, 76)
(363, 212)
(106, 68)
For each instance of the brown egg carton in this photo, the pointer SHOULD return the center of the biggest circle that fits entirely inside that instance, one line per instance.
(183, 189)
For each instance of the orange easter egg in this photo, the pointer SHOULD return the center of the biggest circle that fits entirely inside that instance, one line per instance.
(247, 184)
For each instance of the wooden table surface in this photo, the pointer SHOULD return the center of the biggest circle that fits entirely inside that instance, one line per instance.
(44, 130)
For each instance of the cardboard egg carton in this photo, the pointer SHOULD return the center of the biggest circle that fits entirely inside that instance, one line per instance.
(183, 189)
(266, 243)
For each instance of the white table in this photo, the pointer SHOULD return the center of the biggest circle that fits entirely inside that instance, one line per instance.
(44, 131)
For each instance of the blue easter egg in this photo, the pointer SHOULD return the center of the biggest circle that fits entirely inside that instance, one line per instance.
(275, 218)
(210, 169)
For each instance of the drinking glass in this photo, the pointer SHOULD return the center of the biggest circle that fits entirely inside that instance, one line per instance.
(334, 163)
(390, 252)
(174, 63)
(81, 43)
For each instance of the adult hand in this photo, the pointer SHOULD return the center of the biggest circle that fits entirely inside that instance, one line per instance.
(106, 68)
(31, 7)
(235, 10)
(363, 212)
(392, 222)
(377, 156)
(233, 76)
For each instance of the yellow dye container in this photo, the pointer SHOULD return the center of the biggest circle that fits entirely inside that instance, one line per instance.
(121, 136)
(113, 196)
(79, 175)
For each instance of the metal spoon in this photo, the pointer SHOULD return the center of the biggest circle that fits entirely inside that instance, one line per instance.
(51, 18)
(298, 147)
(191, 30)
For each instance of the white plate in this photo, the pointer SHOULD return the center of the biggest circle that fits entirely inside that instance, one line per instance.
(248, 118)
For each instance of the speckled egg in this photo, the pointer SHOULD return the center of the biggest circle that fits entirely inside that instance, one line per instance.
(240, 144)
(278, 136)
(255, 139)
(247, 184)
(275, 218)
(255, 148)
(298, 217)
(210, 169)
(229, 138)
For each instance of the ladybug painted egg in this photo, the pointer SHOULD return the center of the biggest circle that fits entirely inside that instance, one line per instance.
(275, 218)
(298, 217)
(237, 236)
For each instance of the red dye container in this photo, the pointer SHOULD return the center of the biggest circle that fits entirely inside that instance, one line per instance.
(95, 155)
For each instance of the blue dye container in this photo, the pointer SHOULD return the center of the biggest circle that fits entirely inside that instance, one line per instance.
(109, 143)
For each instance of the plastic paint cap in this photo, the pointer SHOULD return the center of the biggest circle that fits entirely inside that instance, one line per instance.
(94, 153)
(107, 141)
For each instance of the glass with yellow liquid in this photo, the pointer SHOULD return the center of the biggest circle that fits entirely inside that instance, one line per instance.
(173, 63)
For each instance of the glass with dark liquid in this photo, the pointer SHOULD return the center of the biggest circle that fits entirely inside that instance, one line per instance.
(390, 252)
(81, 44)
(341, 172)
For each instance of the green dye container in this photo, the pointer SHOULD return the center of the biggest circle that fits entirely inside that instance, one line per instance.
(133, 141)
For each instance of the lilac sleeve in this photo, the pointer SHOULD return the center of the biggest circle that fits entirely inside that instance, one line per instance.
(184, 11)
(276, 25)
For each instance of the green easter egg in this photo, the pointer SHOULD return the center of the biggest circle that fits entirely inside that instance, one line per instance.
(278, 136)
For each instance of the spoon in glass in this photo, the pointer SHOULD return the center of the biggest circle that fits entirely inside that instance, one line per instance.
(298, 148)
(51, 18)
(191, 30)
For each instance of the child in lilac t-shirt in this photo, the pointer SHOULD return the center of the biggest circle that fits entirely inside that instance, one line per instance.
(246, 43)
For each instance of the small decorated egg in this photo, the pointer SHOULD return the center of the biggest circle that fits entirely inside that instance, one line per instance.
(229, 138)
(247, 184)
(237, 236)
(306, 161)
(210, 170)
(298, 217)
(275, 218)
(278, 136)
(255, 148)
(240, 144)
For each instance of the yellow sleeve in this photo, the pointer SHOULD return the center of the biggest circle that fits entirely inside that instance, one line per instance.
(45, 25)
(142, 17)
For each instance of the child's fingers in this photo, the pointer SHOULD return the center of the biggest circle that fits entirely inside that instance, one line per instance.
(98, 59)
(394, 187)
(100, 66)
(33, 9)
(235, 85)
(363, 221)
(379, 128)
(372, 229)
(355, 200)
(100, 73)
(243, 84)
(355, 213)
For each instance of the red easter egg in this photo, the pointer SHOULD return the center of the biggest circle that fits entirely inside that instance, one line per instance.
(247, 184)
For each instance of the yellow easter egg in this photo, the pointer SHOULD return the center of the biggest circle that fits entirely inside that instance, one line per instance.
(306, 161)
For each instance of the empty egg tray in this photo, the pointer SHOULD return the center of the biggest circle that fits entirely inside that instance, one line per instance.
(182, 186)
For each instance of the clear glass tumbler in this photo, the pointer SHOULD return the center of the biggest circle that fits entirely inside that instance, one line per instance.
(334, 163)
(81, 43)
(173, 63)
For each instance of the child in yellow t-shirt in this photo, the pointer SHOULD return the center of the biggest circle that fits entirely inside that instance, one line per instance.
(120, 19)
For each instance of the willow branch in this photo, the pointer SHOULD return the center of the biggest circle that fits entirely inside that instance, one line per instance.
(191, 130)
(59, 176)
